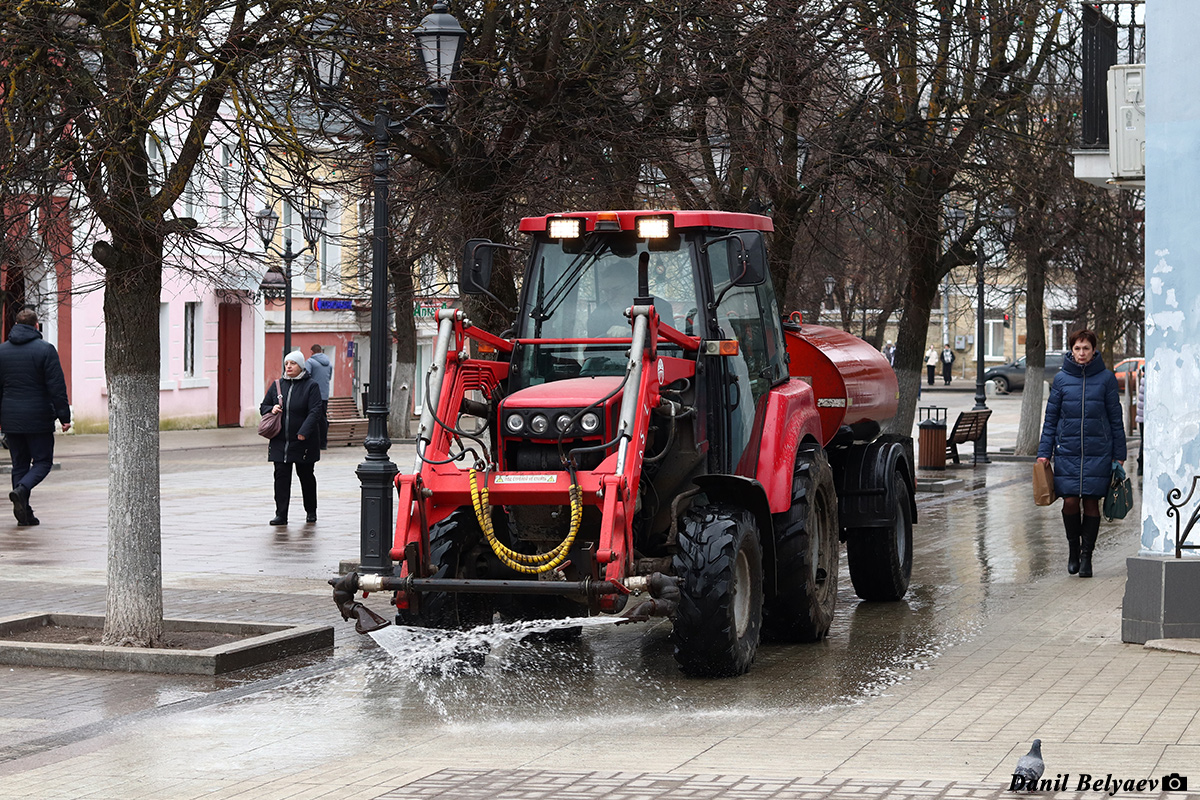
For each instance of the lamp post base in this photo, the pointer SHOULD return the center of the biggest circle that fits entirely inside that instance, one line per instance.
(377, 514)
(980, 455)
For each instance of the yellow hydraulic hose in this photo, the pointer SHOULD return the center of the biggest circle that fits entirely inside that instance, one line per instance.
(521, 562)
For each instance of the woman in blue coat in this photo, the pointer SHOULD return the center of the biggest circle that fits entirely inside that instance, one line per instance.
(1084, 433)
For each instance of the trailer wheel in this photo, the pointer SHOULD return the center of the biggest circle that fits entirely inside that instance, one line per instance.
(448, 542)
(806, 554)
(881, 559)
(719, 618)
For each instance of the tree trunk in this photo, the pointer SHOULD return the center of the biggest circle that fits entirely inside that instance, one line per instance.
(132, 292)
(405, 363)
(1029, 431)
(400, 409)
(919, 292)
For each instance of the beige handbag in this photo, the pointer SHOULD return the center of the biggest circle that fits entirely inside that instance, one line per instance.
(1043, 484)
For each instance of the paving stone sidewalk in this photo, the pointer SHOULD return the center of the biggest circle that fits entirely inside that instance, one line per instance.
(1048, 661)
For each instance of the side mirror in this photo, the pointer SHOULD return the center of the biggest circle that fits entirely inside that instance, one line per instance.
(476, 274)
(747, 258)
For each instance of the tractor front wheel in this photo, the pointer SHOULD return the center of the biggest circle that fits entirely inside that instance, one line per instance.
(881, 559)
(806, 554)
(719, 618)
(449, 542)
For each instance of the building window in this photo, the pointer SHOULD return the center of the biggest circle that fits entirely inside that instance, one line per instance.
(190, 199)
(1058, 335)
(191, 347)
(324, 253)
(424, 359)
(164, 341)
(995, 339)
(225, 179)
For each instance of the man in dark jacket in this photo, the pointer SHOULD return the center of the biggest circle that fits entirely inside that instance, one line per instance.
(321, 371)
(33, 393)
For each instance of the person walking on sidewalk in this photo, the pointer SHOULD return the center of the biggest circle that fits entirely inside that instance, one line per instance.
(1084, 434)
(298, 442)
(932, 359)
(321, 370)
(33, 393)
(947, 362)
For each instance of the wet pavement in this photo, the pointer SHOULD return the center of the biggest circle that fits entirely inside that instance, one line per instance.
(936, 696)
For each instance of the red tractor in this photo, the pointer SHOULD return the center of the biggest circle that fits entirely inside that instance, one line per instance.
(650, 427)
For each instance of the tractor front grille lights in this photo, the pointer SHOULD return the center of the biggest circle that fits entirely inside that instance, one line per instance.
(538, 423)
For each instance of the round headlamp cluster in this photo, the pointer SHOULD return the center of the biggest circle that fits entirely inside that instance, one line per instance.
(539, 423)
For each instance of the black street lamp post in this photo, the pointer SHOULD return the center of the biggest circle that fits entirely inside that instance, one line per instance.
(1003, 220)
(276, 284)
(439, 40)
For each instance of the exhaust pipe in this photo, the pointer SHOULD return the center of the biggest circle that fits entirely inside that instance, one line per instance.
(365, 620)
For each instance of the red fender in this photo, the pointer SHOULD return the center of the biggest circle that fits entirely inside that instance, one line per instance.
(790, 418)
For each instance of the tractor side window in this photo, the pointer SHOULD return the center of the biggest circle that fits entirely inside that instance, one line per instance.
(740, 318)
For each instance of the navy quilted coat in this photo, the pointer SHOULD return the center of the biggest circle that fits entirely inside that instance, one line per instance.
(1084, 431)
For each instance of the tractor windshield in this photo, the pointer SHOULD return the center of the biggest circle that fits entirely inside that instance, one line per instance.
(580, 289)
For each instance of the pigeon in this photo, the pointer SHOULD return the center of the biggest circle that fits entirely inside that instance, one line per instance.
(1030, 768)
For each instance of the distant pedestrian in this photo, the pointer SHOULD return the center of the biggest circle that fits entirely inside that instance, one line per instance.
(321, 370)
(1084, 433)
(947, 361)
(932, 359)
(1141, 416)
(298, 441)
(33, 393)
(889, 350)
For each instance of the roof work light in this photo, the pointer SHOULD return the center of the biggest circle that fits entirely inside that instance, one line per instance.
(566, 228)
(653, 227)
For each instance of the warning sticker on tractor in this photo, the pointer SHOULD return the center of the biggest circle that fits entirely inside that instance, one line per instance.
(526, 479)
(831, 402)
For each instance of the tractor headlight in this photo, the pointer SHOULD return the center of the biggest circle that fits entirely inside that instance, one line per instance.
(589, 422)
(563, 423)
(514, 423)
(539, 424)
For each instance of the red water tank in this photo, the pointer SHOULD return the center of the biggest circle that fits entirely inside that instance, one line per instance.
(852, 380)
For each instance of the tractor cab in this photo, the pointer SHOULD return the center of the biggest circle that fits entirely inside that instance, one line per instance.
(705, 276)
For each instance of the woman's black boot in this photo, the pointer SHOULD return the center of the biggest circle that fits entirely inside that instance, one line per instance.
(1091, 529)
(1074, 527)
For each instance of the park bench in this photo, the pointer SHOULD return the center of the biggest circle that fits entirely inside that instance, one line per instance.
(969, 426)
(346, 427)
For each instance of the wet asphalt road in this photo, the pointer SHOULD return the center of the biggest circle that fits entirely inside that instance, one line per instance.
(975, 552)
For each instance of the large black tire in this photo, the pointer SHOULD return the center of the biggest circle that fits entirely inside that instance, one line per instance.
(881, 559)
(719, 618)
(449, 541)
(806, 554)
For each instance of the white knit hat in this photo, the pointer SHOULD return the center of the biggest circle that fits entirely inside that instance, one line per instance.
(297, 357)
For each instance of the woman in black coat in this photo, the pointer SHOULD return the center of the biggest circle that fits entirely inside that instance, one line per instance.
(298, 441)
(1084, 433)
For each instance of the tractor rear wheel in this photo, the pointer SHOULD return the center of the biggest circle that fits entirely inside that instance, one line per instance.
(806, 554)
(449, 541)
(881, 559)
(719, 618)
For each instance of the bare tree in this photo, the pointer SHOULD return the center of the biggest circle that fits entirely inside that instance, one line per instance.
(930, 79)
(115, 106)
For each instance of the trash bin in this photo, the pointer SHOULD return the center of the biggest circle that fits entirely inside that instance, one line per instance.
(931, 438)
